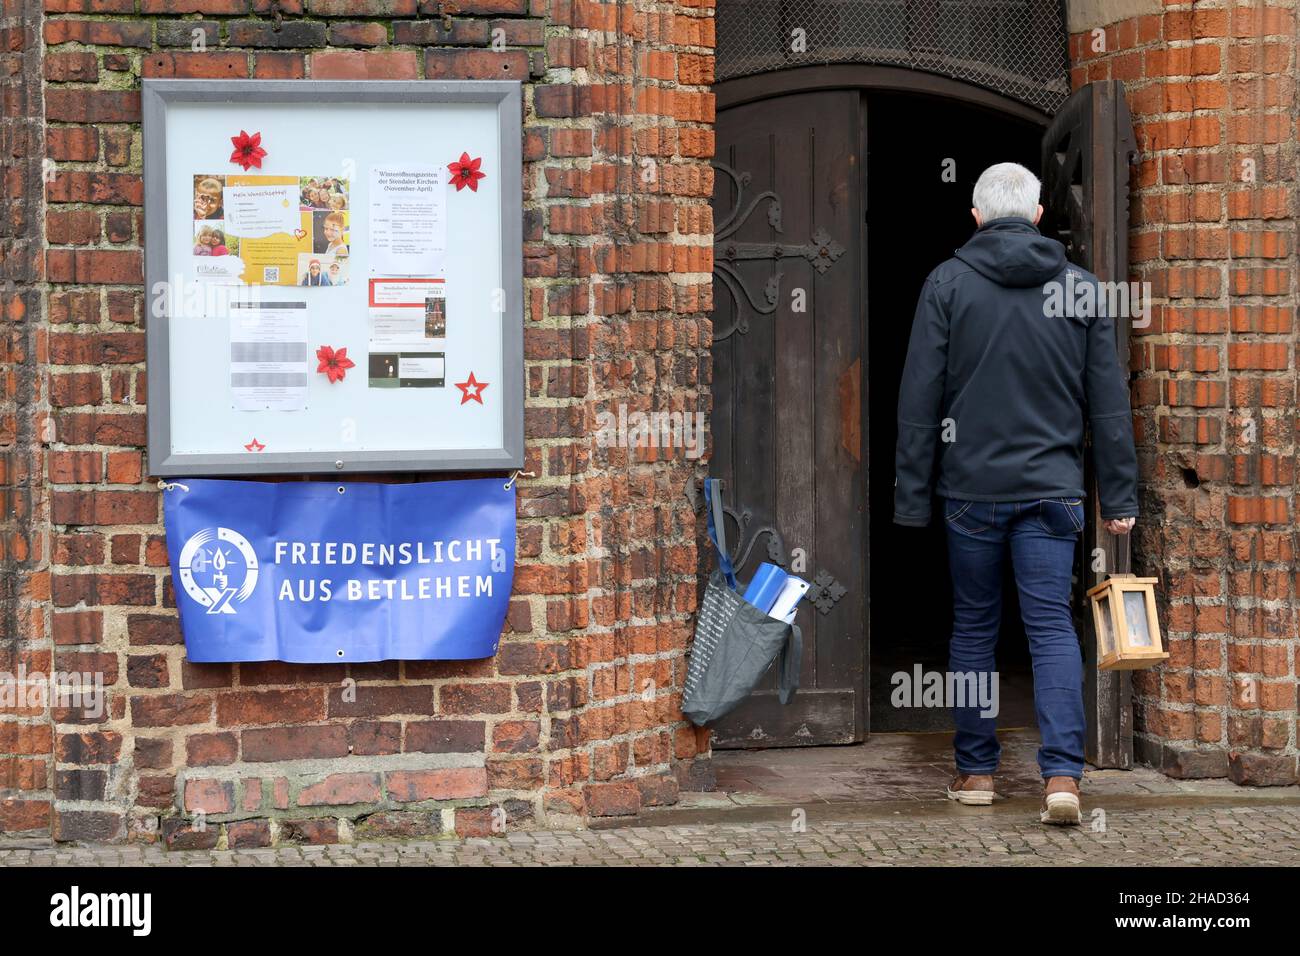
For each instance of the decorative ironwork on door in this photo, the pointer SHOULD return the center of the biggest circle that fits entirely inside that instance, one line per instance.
(825, 590)
(748, 531)
(821, 250)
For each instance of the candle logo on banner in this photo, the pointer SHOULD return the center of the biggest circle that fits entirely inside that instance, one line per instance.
(218, 575)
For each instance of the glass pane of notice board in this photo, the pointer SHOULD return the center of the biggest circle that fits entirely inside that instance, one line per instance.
(334, 276)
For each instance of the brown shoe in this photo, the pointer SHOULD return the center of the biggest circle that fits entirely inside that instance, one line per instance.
(972, 790)
(1061, 802)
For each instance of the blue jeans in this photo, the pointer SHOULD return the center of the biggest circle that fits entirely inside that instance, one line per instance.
(1042, 536)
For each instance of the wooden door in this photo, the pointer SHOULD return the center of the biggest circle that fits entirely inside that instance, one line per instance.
(789, 354)
(1086, 154)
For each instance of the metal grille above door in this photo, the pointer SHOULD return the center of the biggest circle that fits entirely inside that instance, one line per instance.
(1015, 47)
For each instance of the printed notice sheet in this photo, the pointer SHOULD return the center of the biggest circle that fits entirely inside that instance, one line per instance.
(268, 356)
(408, 219)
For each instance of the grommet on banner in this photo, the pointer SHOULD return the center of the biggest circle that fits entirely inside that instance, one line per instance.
(169, 485)
(517, 475)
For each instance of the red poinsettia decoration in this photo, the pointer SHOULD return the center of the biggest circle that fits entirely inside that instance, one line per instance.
(248, 150)
(334, 364)
(465, 172)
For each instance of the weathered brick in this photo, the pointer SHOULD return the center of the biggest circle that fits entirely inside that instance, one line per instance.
(107, 589)
(74, 144)
(187, 32)
(170, 710)
(410, 786)
(209, 796)
(287, 34)
(270, 707)
(71, 68)
(211, 750)
(475, 65)
(316, 831)
(89, 747)
(445, 736)
(92, 106)
(248, 834)
(178, 7)
(341, 788)
(104, 507)
(294, 743)
(212, 65)
(364, 65)
(98, 32)
(105, 266)
(146, 629)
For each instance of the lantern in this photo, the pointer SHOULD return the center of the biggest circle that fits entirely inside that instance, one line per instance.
(1128, 633)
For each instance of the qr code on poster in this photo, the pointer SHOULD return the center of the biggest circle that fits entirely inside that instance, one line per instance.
(270, 273)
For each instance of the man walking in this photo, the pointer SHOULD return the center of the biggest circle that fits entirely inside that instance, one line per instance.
(1004, 370)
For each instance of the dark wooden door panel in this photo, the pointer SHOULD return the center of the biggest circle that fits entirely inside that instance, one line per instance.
(787, 361)
(815, 716)
(1086, 153)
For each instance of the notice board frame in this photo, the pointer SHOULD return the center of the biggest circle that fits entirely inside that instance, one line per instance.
(157, 95)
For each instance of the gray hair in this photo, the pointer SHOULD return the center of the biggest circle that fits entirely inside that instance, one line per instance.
(1007, 189)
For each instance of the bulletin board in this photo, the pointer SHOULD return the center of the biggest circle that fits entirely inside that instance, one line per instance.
(334, 276)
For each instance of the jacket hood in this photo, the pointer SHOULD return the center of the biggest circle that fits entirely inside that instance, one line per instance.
(1012, 252)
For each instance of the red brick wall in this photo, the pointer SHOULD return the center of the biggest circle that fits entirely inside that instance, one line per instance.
(1212, 91)
(26, 737)
(578, 712)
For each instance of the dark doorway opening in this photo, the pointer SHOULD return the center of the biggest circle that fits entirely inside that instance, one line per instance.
(830, 185)
(915, 219)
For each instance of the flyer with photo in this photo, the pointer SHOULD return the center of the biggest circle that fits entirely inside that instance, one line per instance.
(407, 319)
(407, 313)
(271, 230)
(407, 369)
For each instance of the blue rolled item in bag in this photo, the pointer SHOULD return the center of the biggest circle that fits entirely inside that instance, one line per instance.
(765, 587)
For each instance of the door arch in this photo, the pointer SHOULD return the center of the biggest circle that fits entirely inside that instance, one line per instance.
(870, 76)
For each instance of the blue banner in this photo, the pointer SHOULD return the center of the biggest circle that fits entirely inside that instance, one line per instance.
(315, 572)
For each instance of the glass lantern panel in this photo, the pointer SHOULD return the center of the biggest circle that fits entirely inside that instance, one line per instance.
(1135, 616)
(1107, 634)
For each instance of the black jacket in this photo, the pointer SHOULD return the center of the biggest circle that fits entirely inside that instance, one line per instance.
(999, 382)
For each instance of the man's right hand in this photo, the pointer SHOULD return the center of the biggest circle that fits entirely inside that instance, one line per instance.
(1120, 525)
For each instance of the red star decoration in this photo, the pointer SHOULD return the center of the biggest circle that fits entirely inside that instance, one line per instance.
(254, 445)
(465, 172)
(248, 150)
(472, 390)
(334, 364)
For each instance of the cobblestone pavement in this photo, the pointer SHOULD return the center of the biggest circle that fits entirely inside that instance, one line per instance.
(1260, 835)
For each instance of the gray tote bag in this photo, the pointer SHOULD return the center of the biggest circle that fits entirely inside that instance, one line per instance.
(735, 643)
